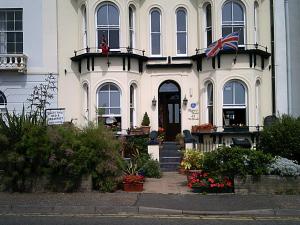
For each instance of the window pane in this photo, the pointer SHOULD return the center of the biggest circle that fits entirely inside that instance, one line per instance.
(104, 88)
(177, 110)
(115, 99)
(181, 43)
(155, 44)
(170, 110)
(208, 15)
(113, 88)
(11, 37)
(113, 15)
(228, 93)
(10, 25)
(10, 15)
(227, 12)
(155, 21)
(2, 15)
(2, 26)
(210, 94)
(130, 17)
(19, 37)
(18, 15)
(114, 39)
(115, 111)
(101, 33)
(241, 34)
(102, 15)
(18, 25)
(239, 94)
(238, 14)
(103, 99)
(181, 20)
(19, 47)
(210, 115)
(226, 31)
(209, 37)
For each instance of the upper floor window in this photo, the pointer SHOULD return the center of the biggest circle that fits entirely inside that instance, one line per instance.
(233, 19)
(3, 101)
(155, 30)
(181, 31)
(84, 26)
(255, 22)
(108, 25)
(11, 31)
(208, 28)
(131, 26)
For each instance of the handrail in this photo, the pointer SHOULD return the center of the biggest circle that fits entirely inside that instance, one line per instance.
(98, 50)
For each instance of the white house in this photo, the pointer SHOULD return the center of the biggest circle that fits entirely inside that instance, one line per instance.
(28, 50)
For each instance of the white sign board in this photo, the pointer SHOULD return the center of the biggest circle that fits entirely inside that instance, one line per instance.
(55, 116)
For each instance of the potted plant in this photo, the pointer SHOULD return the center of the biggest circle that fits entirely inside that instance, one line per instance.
(192, 161)
(133, 183)
(180, 140)
(161, 135)
(146, 123)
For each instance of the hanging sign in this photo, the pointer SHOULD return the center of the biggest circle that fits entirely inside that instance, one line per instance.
(193, 111)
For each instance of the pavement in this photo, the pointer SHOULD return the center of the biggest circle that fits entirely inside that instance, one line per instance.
(166, 196)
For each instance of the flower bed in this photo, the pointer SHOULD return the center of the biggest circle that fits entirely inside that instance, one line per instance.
(204, 182)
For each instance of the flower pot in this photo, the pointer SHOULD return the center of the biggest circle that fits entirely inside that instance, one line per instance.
(182, 171)
(145, 129)
(133, 187)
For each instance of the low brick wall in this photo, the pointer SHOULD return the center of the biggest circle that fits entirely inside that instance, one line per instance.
(267, 184)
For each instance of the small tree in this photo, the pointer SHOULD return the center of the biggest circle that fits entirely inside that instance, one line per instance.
(146, 120)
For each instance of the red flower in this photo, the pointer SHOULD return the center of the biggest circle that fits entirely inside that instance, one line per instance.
(211, 180)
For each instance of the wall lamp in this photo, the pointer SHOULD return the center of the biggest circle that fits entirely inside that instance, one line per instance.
(185, 101)
(154, 101)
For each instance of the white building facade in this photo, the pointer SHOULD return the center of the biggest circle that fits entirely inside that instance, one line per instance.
(157, 63)
(287, 51)
(28, 50)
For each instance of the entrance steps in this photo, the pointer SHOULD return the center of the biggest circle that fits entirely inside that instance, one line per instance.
(169, 157)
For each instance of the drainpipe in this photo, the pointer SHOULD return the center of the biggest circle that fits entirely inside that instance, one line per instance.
(272, 58)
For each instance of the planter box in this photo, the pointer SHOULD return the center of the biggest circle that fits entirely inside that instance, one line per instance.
(267, 184)
(133, 187)
(236, 129)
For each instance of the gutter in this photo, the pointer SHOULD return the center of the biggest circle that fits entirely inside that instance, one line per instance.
(273, 58)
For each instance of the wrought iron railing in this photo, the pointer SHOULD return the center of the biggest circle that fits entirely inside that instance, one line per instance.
(119, 50)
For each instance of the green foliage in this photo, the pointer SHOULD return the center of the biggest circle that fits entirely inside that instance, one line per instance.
(282, 138)
(151, 169)
(237, 161)
(146, 120)
(192, 159)
(135, 144)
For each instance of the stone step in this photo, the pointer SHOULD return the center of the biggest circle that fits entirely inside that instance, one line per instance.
(170, 166)
(170, 159)
(169, 153)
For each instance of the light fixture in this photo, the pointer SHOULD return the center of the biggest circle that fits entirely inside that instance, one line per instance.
(185, 101)
(154, 101)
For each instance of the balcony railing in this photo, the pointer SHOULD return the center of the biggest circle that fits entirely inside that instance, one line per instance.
(13, 62)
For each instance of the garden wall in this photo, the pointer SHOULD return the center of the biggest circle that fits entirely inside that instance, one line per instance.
(267, 184)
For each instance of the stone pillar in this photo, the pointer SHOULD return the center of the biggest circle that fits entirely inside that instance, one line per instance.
(153, 151)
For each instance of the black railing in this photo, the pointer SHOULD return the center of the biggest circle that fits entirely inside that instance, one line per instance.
(119, 50)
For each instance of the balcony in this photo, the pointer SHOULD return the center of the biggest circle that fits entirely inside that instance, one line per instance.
(13, 62)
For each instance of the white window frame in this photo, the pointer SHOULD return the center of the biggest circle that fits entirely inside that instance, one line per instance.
(233, 22)
(133, 105)
(132, 32)
(182, 32)
(207, 102)
(160, 35)
(108, 27)
(5, 32)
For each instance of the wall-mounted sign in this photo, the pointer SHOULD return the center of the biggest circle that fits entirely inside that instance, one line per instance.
(193, 111)
(55, 116)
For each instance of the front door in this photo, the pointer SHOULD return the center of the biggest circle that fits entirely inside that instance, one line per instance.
(169, 109)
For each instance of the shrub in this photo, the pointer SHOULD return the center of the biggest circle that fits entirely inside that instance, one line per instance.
(284, 167)
(151, 169)
(146, 120)
(236, 161)
(192, 159)
(135, 144)
(282, 138)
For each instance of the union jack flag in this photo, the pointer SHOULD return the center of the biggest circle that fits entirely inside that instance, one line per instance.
(229, 42)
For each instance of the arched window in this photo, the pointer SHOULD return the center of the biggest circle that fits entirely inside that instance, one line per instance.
(109, 104)
(208, 25)
(233, 19)
(86, 101)
(234, 103)
(255, 22)
(133, 105)
(3, 101)
(84, 27)
(210, 103)
(155, 30)
(257, 98)
(181, 31)
(108, 25)
(131, 26)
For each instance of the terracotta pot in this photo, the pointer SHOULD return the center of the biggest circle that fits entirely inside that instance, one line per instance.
(182, 171)
(133, 187)
(145, 129)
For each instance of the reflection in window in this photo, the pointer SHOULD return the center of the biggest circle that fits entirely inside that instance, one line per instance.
(108, 25)
(181, 31)
(131, 26)
(109, 104)
(233, 19)
(155, 32)
(234, 103)
(210, 103)
(208, 28)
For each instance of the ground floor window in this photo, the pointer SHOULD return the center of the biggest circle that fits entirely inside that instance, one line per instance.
(109, 106)
(210, 103)
(234, 104)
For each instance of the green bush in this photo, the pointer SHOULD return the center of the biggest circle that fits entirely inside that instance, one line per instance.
(151, 169)
(132, 145)
(237, 161)
(282, 138)
(146, 120)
